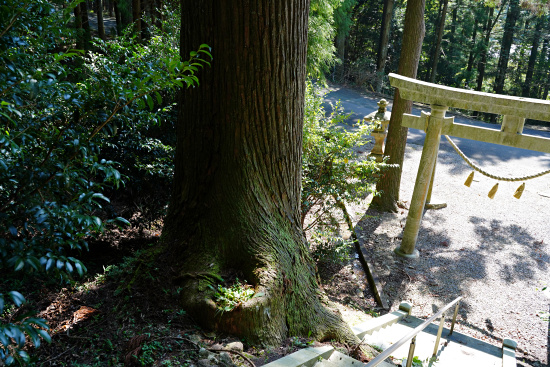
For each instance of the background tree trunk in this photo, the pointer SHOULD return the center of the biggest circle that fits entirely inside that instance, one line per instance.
(413, 35)
(383, 44)
(100, 24)
(542, 66)
(136, 17)
(85, 25)
(526, 91)
(78, 27)
(235, 208)
(471, 56)
(454, 22)
(118, 17)
(483, 56)
(440, 31)
(506, 45)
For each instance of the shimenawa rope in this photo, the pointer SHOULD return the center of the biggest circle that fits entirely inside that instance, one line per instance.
(485, 173)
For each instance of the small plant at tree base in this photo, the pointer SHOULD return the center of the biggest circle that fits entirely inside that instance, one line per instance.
(229, 298)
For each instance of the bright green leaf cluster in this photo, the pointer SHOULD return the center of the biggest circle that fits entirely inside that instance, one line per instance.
(229, 298)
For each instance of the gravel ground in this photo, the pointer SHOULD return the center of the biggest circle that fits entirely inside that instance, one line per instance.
(494, 253)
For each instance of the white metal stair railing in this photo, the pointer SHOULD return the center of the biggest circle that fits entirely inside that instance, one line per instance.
(383, 331)
(412, 336)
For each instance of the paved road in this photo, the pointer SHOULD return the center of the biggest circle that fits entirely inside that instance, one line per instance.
(509, 161)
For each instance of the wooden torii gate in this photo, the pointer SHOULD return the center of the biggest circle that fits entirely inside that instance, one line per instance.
(514, 109)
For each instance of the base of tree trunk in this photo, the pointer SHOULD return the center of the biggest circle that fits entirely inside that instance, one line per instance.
(385, 204)
(287, 300)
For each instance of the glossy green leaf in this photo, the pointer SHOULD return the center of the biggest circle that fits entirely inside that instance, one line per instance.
(44, 334)
(17, 298)
(69, 267)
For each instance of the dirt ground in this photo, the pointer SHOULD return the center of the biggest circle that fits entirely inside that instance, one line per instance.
(101, 323)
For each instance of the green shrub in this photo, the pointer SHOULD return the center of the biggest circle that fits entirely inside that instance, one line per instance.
(332, 173)
(57, 112)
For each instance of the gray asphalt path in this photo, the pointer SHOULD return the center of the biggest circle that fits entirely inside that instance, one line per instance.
(509, 161)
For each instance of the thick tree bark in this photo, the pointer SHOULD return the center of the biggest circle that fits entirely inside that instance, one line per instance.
(506, 44)
(235, 207)
(384, 42)
(526, 90)
(437, 50)
(413, 35)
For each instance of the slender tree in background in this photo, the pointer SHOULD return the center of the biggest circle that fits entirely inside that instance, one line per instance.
(506, 45)
(86, 25)
(472, 54)
(413, 35)
(487, 30)
(384, 42)
(542, 63)
(343, 22)
(136, 17)
(526, 90)
(437, 50)
(455, 21)
(100, 24)
(78, 27)
(118, 17)
(235, 207)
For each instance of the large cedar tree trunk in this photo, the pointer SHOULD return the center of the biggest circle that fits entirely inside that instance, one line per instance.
(413, 35)
(235, 208)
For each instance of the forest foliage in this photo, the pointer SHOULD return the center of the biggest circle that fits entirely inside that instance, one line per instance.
(85, 117)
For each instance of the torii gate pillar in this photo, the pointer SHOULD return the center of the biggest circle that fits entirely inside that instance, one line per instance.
(426, 168)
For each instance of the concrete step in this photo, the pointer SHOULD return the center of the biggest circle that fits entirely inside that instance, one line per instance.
(454, 350)
(325, 356)
(377, 323)
(306, 357)
(342, 360)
